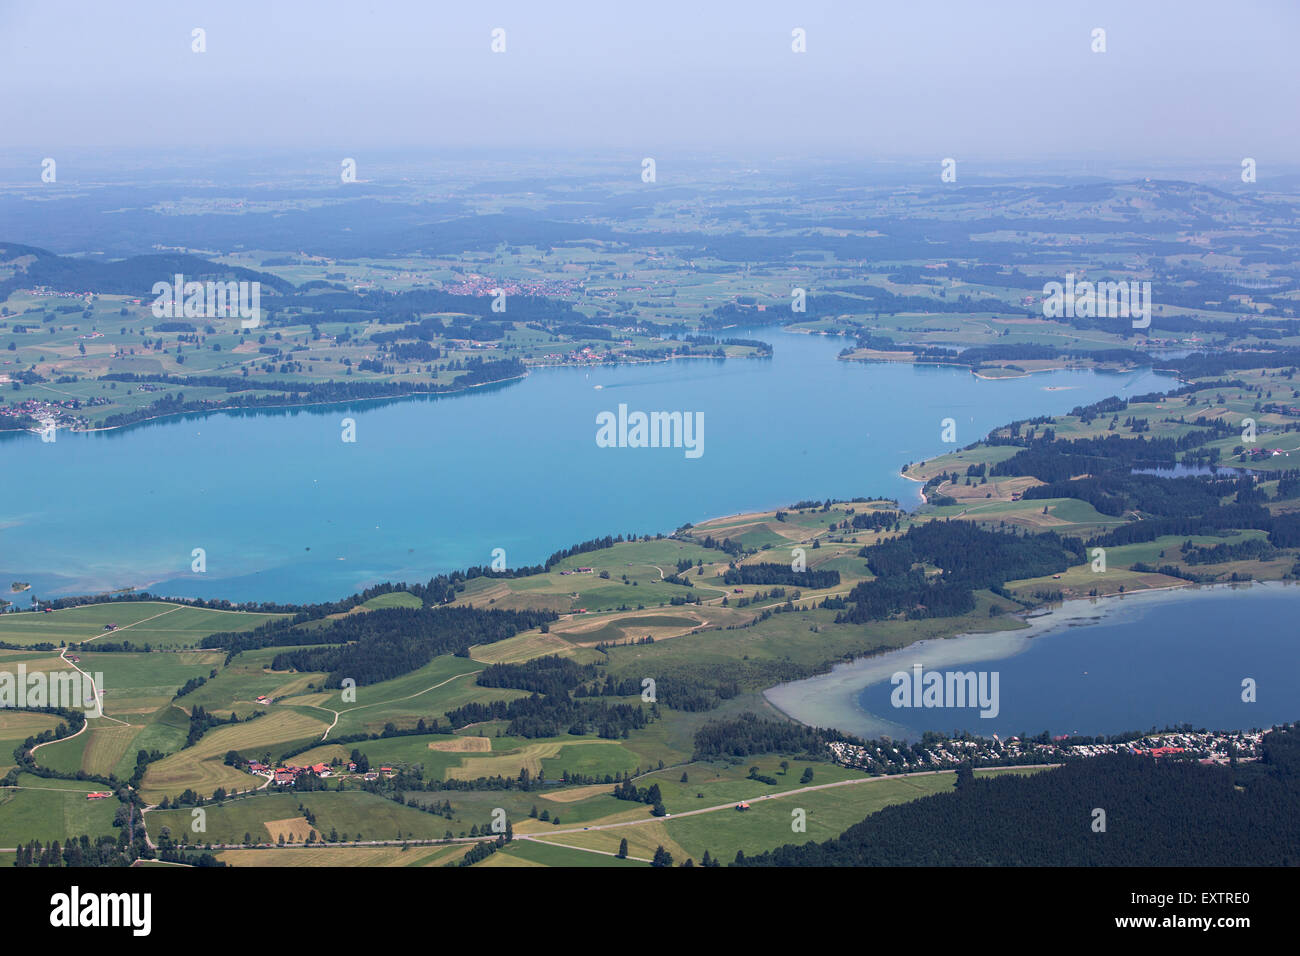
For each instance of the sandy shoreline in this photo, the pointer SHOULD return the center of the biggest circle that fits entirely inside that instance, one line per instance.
(831, 699)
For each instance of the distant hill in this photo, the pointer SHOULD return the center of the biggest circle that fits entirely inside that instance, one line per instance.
(28, 266)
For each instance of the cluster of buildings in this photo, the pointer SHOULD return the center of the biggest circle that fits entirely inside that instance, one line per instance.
(475, 284)
(41, 290)
(1208, 747)
(287, 774)
(884, 756)
(585, 354)
(1257, 453)
(283, 776)
(1273, 408)
(51, 413)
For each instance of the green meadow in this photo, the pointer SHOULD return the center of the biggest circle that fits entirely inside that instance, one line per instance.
(41, 810)
(15, 727)
(156, 623)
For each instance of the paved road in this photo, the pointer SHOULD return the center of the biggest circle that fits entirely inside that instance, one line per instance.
(540, 837)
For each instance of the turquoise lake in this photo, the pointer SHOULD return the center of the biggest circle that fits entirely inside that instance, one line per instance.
(285, 510)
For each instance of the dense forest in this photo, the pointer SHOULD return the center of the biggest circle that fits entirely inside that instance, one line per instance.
(541, 675)
(388, 642)
(553, 716)
(1114, 493)
(749, 734)
(968, 557)
(80, 851)
(1050, 460)
(780, 574)
(1179, 813)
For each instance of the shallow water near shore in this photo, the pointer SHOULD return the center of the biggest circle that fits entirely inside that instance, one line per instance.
(1094, 666)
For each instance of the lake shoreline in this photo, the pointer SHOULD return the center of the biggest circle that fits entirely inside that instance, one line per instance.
(217, 409)
(833, 696)
(467, 452)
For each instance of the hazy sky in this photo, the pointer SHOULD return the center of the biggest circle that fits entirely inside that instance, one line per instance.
(1179, 80)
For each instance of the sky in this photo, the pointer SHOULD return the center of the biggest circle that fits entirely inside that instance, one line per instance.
(1178, 80)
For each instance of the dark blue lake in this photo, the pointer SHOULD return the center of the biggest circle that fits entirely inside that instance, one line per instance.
(1143, 661)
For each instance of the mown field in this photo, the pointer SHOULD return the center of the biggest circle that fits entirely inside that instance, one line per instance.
(201, 767)
(775, 817)
(445, 683)
(156, 623)
(346, 856)
(768, 823)
(15, 727)
(265, 815)
(534, 853)
(40, 809)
